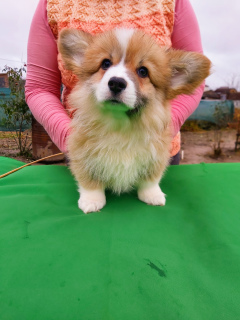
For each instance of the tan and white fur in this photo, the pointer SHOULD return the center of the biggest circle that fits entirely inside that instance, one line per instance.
(115, 149)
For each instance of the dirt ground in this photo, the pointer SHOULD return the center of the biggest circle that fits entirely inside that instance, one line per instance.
(197, 147)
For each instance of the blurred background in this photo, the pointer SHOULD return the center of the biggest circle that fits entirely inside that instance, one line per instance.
(214, 125)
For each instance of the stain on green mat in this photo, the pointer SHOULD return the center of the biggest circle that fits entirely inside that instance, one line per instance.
(160, 272)
(26, 224)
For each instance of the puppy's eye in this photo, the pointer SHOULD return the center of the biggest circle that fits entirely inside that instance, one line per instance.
(106, 64)
(142, 72)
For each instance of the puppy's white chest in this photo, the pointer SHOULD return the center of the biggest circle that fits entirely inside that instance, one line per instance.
(121, 167)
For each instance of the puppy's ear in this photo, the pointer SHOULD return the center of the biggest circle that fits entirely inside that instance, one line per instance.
(189, 69)
(72, 45)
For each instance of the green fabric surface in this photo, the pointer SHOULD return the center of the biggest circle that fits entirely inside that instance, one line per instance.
(129, 261)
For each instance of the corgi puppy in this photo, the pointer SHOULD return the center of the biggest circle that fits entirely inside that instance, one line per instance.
(121, 129)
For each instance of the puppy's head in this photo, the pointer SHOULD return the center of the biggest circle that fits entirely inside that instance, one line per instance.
(127, 66)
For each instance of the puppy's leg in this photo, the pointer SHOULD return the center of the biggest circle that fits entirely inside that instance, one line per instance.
(91, 200)
(151, 193)
(92, 195)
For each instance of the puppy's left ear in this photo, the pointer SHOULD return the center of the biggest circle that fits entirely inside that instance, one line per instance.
(72, 44)
(188, 71)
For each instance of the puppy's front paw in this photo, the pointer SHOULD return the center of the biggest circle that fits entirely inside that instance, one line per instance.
(87, 205)
(91, 201)
(152, 195)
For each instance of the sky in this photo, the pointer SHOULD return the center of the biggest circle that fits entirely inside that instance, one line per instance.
(218, 22)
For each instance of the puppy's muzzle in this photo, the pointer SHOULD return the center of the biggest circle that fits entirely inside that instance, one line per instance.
(117, 85)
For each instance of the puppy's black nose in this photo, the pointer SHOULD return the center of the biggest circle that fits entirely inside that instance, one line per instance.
(117, 85)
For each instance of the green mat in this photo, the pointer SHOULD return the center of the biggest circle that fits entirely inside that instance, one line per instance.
(130, 261)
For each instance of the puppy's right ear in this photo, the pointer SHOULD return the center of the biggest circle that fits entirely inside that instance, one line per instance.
(72, 44)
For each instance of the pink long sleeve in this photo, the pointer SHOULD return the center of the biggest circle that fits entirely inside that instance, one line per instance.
(43, 81)
(185, 36)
